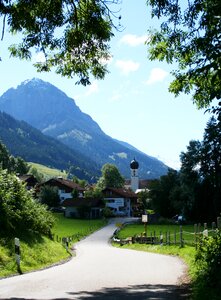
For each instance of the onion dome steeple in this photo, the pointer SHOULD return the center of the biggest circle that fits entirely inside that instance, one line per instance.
(134, 165)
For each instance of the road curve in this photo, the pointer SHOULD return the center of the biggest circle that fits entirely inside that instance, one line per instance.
(100, 271)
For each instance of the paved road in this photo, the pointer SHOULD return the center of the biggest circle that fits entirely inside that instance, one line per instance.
(100, 271)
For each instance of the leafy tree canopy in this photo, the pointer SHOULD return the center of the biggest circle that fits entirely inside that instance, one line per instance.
(81, 182)
(111, 177)
(190, 36)
(94, 193)
(195, 190)
(49, 196)
(19, 211)
(11, 163)
(73, 35)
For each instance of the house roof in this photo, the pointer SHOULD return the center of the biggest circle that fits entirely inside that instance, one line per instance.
(123, 192)
(28, 178)
(61, 182)
(89, 202)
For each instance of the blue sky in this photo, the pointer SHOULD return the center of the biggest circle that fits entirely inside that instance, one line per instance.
(132, 103)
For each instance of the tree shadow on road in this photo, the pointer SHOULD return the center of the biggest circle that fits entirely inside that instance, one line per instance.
(135, 292)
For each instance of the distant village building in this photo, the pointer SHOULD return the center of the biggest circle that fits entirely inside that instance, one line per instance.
(29, 180)
(134, 184)
(83, 208)
(65, 187)
(120, 200)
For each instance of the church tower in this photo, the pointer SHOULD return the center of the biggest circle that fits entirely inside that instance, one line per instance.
(134, 165)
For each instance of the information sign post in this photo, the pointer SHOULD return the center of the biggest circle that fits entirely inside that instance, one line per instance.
(145, 220)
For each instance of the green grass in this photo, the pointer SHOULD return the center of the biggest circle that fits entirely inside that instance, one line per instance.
(65, 227)
(39, 252)
(36, 253)
(48, 172)
(138, 229)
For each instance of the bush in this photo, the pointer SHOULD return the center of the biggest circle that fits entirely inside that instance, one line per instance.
(49, 196)
(107, 212)
(208, 264)
(19, 211)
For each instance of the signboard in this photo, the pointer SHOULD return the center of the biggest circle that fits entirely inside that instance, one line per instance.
(144, 218)
(119, 202)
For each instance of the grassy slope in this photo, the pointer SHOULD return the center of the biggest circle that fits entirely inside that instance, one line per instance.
(39, 252)
(67, 227)
(48, 172)
(36, 252)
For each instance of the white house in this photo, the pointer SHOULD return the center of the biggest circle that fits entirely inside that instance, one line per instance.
(120, 200)
(65, 187)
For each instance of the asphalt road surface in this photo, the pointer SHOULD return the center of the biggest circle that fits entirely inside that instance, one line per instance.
(100, 271)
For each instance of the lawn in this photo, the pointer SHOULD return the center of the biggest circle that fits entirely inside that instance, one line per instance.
(67, 227)
(169, 233)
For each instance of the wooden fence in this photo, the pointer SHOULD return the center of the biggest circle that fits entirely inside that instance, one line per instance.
(180, 237)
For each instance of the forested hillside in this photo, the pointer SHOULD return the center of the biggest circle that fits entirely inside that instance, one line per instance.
(24, 140)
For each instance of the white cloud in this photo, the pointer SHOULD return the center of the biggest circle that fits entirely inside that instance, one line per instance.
(93, 88)
(127, 66)
(134, 40)
(156, 75)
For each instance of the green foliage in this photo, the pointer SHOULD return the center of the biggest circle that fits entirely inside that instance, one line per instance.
(143, 198)
(19, 211)
(111, 177)
(107, 212)
(189, 36)
(195, 190)
(74, 193)
(11, 163)
(81, 182)
(161, 194)
(208, 264)
(73, 35)
(94, 193)
(49, 196)
(38, 175)
(208, 259)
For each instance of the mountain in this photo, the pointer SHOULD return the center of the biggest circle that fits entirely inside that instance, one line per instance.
(50, 110)
(32, 145)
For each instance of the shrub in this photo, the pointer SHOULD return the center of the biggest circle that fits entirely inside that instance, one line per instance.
(107, 212)
(208, 263)
(19, 211)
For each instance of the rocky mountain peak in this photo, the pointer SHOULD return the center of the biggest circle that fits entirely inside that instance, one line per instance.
(50, 110)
